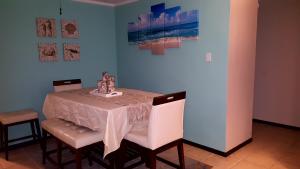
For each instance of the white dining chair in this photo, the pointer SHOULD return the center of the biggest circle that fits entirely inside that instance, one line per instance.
(164, 130)
(64, 85)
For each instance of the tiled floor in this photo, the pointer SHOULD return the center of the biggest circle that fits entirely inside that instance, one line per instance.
(272, 148)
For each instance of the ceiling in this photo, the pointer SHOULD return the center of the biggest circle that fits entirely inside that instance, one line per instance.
(107, 2)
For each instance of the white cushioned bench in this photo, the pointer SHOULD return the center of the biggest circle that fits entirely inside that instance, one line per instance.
(17, 116)
(75, 136)
(71, 134)
(9, 119)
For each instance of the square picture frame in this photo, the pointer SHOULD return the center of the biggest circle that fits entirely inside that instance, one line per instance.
(47, 52)
(69, 29)
(45, 27)
(71, 52)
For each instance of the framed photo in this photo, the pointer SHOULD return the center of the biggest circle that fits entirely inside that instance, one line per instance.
(47, 52)
(46, 27)
(69, 29)
(71, 52)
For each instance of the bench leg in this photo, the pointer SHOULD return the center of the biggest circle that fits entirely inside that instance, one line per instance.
(78, 158)
(38, 129)
(59, 153)
(89, 156)
(44, 145)
(113, 160)
(6, 141)
(120, 155)
(152, 159)
(1, 136)
(33, 130)
(145, 157)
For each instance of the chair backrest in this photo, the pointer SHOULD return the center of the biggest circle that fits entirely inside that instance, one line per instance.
(64, 85)
(166, 119)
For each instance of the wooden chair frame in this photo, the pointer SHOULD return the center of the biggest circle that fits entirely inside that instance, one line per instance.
(149, 156)
(66, 82)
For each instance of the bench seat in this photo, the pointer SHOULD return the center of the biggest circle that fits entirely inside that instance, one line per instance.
(9, 119)
(71, 134)
(17, 116)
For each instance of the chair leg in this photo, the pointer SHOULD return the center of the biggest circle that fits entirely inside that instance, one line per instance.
(181, 154)
(33, 130)
(6, 141)
(152, 159)
(78, 158)
(44, 145)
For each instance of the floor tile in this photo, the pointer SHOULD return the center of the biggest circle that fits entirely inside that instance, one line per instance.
(247, 165)
(221, 162)
(198, 154)
(280, 165)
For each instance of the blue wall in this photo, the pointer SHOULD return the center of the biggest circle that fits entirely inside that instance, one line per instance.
(184, 68)
(24, 80)
(103, 41)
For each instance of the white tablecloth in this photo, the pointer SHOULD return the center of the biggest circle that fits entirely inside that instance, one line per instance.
(114, 116)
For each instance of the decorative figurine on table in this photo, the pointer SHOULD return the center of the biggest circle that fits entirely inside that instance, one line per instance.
(106, 87)
(105, 76)
(102, 88)
(111, 84)
(107, 84)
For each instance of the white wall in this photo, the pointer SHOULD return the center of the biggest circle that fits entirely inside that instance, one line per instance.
(242, 51)
(277, 81)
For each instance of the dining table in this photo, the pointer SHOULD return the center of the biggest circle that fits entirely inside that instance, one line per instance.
(114, 116)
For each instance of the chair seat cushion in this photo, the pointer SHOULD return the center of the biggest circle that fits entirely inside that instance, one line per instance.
(138, 135)
(17, 116)
(71, 134)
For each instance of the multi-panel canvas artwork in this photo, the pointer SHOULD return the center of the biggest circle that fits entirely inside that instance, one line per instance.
(163, 28)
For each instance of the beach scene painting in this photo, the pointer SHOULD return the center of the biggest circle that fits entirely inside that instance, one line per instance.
(133, 34)
(172, 32)
(144, 27)
(157, 35)
(163, 28)
(189, 25)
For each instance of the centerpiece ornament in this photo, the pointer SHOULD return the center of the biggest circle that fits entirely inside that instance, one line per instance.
(106, 84)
